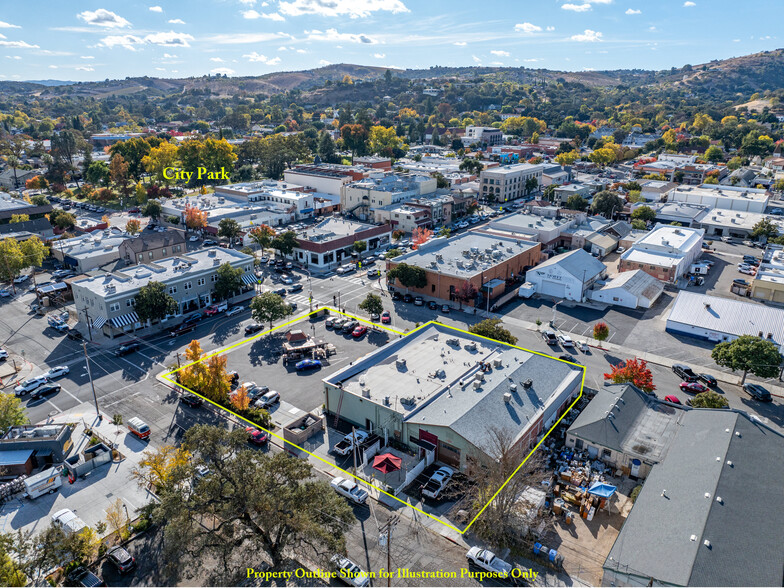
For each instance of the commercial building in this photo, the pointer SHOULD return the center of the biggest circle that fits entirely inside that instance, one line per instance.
(151, 245)
(633, 289)
(567, 276)
(383, 189)
(533, 227)
(563, 193)
(374, 162)
(106, 302)
(719, 319)
(324, 246)
(666, 252)
(689, 215)
(39, 227)
(324, 177)
(462, 394)
(402, 217)
(485, 136)
(656, 190)
(732, 223)
(47, 444)
(505, 183)
(9, 206)
(625, 428)
(768, 282)
(485, 261)
(700, 519)
(90, 251)
(722, 197)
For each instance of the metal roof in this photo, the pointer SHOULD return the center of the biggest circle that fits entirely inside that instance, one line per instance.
(579, 263)
(15, 457)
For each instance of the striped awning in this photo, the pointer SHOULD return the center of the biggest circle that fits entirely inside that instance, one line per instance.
(249, 278)
(124, 320)
(99, 321)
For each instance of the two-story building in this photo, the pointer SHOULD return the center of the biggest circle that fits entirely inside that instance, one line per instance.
(152, 245)
(510, 182)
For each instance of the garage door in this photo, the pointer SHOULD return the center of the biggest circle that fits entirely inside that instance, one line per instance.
(552, 288)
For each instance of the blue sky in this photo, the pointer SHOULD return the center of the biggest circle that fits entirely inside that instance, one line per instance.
(75, 40)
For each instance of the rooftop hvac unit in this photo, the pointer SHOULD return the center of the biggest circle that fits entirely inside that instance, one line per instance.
(453, 341)
(477, 385)
(470, 346)
(365, 392)
(513, 387)
(400, 363)
(386, 400)
(507, 398)
(498, 363)
(528, 383)
(479, 377)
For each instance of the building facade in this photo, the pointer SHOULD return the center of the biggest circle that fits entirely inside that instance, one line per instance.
(505, 183)
(666, 252)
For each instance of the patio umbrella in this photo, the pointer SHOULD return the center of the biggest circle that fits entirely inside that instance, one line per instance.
(386, 462)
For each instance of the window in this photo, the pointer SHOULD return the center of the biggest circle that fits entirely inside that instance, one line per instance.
(172, 289)
(130, 302)
(114, 306)
(163, 251)
(176, 249)
(150, 255)
(578, 443)
(188, 285)
(432, 287)
(200, 282)
(606, 454)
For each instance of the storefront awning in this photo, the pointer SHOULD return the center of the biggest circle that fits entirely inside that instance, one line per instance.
(99, 321)
(124, 320)
(249, 278)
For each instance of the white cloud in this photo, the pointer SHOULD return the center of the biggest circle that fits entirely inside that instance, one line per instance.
(253, 15)
(550, 29)
(350, 8)
(736, 40)
(242, 38)
(176, 21)
(169, 56)
(52, 67)
(18, 44)
(527, 28)
(85, 68)
(651, 28)
(87, 57)
(103, 18)
(160, 68)
(379, 55)
(13, 57)
(600, 1)
(577, 7)
(587, 36)
(689, 4)
(460, 43)
(301, 51)
(248, 2)
(222, 71)
(259, 58)
(324, 62)
(125, 41)
(632, 11)
(500, 53)
(476, 59)
(6, 25)
(333, 36)
(532, 60)
(217, 60)
(156, 9)
(170, 39)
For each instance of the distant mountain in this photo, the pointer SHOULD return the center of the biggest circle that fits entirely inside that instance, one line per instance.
(51, 82)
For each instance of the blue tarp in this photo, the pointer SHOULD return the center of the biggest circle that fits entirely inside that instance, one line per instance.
(602, 490)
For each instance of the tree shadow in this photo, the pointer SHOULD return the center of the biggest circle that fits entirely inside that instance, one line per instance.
(267, 350)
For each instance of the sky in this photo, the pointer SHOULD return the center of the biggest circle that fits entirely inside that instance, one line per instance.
(88, 40)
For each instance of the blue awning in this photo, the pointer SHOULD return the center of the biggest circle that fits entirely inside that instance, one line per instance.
(306, 210)
(602, 490)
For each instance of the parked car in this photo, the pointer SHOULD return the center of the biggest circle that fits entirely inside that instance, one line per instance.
(81, 576)
(749, 271)
(373, 273)
(386, 318)
(672, 399)
(254, 328)
(139, 428)
(419, 301)
(432, 305)
(257, 437)
(445, 308)
(193, 318)
(21, 279)
(757, 392)
(193, 238)
(740, 282)
(684, 372)
(350, 489)
(308, 364)
(234, 310)
(438, 482)
(267, 401)
(359, 331)
(280, 292)
(708, 380)
(45, 390)
(395, 296)
(121, 559)
(487, 560)
(3, 354)
(191, 400)
(693, 387)
(408, 298)
(549, 337)
(214, 309)
(565, 341)
(5, 293)
(126, 348)
(56, 372)
(349, 572)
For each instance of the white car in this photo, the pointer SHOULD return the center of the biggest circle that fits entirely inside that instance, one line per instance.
(437, 482)
(349, 572)
(620, 249)
(193, 239)
(234, 310)
(565, 341)
(350, 489)
(749, 271)
(3, 354)
(21, 279)
(56, 372)
(29, 385)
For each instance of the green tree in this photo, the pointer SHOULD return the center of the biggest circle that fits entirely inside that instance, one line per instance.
(355, 138)
(359, 247)
(61, 219)
(735, 163)
(492, 329)
(326, 148)
(472, 166)
(372, 304)
(576, 202)
(392, 253)
(229, 229)
(709, 399)
(606, 203)
(228, 281)
(153, 302)
(152, 209)
(98, 173)
(12, 412)
(15, 256)
(749, 353)
(644, 213)
(410, 276)
(285, 243)
(444, 232)
(39, 200)
(269, 307)
(765, 228)
(531, 184)
(639, 225)
(601, 331)
(262, 236)
(132, 152)
(260, 502)
(19, 218)
(714, 154)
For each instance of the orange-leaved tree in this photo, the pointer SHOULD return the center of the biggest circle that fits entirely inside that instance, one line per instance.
(601, 331)
(633, 371)
(217, 382)
(240, 399)
(419, 236)
(195, 218)
(193, 375)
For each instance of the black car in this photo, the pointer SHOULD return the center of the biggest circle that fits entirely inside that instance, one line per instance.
(684, 372)
(193, 318)
(396, 296)
(408, 298)
(280, 291)
(45, 390)
(126, 348)
(740, 282)
(81, 576)
(235, 377)
(708, 380)
(255, 328)
(74, 335)
(122, 560)
(295, 288)
(191, 400)
(432, 305)
(757, 392)
(182, 329)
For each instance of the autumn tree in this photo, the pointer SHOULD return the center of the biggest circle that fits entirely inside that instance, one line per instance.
(159, 159)
(195, 219)
(16, 256)
(420, 236)
(602, 156)
(157, 469)
(633, 371)
(355, 138)
(216, 383)
(384, 141)
(133, 226)
(239, 399)
(262, 236)
(601, 331)
(19, 218)
(119, 174)
(466, 293)
(117, 519)
(566, 159)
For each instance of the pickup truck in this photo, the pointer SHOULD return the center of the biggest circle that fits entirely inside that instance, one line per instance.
(346, 446)
(486, 560)
(350, 490)
(437, 482)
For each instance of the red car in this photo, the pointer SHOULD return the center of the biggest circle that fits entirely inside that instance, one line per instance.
(257, 437)
(693, 387)
(212, 310)
(359, 331)
(673, 399)
(386, 318)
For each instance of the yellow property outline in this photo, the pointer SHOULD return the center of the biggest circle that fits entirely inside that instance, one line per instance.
(396, 332)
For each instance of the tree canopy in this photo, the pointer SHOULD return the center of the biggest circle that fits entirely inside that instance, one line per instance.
(153, 302)
(749, 353)
(493, 329)
(269, 307)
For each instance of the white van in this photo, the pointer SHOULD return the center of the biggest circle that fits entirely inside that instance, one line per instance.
(67, 520)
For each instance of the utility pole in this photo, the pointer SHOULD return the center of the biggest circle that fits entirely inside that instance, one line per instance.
(386, 535)
(178, 359)
(92, 385)
(354, 448)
